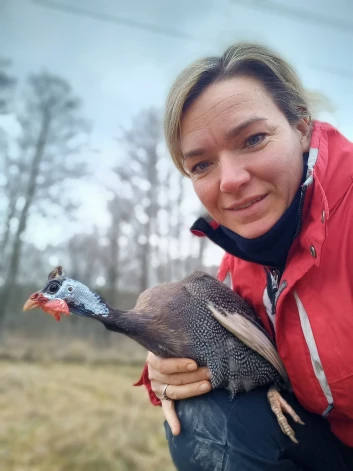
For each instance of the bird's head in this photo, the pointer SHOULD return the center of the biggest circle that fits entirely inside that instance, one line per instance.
(62, 296)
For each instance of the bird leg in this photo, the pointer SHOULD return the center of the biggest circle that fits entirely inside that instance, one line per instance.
(278, 406)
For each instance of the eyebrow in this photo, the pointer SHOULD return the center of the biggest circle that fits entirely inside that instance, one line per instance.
(233, 132)
(238, 129)
(193, 153)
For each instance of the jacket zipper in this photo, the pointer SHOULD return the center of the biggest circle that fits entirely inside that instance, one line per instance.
(300, 212)
(275, 274)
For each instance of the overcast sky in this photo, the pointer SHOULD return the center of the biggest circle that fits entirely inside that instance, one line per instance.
(121, 56)
(119, 69)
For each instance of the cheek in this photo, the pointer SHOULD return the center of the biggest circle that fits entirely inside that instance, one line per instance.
(283, 167)
(293, 166)
(207, 192)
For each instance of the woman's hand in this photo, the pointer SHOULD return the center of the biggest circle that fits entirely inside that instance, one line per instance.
(184, 379)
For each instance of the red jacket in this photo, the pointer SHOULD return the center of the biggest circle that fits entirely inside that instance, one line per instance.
(314, 302)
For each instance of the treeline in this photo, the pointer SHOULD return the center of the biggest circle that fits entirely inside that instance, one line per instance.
(147, 239)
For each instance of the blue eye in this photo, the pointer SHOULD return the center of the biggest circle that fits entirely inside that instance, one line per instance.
(255, 139)
(200, 168)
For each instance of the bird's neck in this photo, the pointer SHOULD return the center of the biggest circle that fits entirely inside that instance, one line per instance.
(125, 322)
(139, 327)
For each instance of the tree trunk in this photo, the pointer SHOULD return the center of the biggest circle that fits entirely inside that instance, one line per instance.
(10, 281)
(200, 257)
(114, 255)
(151, 210)
(6, 236)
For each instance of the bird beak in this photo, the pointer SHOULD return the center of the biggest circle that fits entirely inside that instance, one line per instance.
(31, 302)
(54, 307)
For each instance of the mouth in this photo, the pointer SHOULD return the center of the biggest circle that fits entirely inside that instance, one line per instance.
(246, 203)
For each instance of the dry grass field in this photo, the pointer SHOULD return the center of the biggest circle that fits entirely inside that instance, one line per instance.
(78, 417)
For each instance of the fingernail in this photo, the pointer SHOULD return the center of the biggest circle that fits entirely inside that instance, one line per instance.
(191, 367)
(205, 387)
(208, 374)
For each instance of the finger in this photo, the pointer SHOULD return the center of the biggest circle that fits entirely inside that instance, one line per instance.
(178, 379)
(171, 365)
(184, 391)
(171, 416)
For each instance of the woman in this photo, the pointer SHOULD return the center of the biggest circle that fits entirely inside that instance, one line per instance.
(279, 191)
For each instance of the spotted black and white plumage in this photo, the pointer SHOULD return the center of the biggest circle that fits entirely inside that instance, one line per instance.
(184, 307)
(176, 320)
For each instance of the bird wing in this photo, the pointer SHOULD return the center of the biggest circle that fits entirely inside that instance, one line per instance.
(247, 332)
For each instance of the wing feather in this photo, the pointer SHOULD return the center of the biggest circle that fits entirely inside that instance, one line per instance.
(250, 335)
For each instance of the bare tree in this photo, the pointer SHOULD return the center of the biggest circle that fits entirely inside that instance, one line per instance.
(51, 124)
(120, 210)
(7, 85)
(85, 255)
(155, 206)
(141, 175)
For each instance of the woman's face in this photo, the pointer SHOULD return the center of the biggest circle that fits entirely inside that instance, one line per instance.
(244, 158)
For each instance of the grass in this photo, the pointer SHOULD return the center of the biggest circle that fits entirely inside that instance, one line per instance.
(78, 417)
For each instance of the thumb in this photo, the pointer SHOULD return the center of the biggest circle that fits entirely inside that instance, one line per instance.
(171, 416)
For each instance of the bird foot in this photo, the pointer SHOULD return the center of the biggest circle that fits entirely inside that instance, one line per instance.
(278, 406)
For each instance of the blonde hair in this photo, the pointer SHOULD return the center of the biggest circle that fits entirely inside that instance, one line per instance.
(250, 59)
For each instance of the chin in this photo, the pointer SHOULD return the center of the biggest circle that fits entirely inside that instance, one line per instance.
(254, 229)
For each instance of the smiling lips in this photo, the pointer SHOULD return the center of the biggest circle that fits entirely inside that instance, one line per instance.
(246, 203)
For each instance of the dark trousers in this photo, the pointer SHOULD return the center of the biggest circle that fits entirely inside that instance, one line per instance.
(219, 434)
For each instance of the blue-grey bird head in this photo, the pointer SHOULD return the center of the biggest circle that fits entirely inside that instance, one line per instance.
(63, 295)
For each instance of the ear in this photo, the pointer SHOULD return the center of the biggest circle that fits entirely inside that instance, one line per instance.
(304, 128)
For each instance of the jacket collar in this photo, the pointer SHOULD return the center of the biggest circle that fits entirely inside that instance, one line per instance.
(330, 173)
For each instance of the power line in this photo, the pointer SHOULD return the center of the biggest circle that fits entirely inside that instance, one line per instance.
(291, 12)
(288, 12)
(128, 22)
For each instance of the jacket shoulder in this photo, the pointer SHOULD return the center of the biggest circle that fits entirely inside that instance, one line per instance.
(246, 278)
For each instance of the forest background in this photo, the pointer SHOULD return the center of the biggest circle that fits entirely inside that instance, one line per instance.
(86, 182)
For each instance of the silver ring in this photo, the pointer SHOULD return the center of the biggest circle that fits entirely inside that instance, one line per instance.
(164, 393)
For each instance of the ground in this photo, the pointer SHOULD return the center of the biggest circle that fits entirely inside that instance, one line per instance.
(78, 417)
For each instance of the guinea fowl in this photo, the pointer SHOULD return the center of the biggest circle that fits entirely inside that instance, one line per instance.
(198, 318)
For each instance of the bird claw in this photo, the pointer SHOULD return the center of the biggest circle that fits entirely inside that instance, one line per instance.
(278, 404)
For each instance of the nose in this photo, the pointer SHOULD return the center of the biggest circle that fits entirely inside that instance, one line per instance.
(233, 174)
